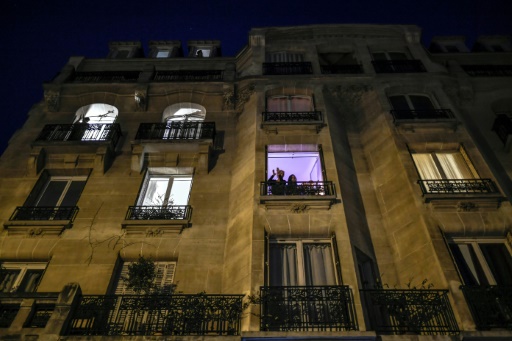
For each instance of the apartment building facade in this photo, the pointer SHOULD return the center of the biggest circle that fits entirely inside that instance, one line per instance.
(334, 182)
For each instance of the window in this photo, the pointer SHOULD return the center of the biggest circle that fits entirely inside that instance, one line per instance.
(165, 190)
(483, 262)
(301, 263)
(302, 160)
(184, 112)
(411, 102)
(202, 52)
(444, 165)
(339, 63)
(292, 103)
(389, 56)
(163, 280)
(97, 113)
(395, 62)
(20, 277)
(163, 54)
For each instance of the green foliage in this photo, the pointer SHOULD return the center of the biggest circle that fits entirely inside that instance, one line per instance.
(141, 276)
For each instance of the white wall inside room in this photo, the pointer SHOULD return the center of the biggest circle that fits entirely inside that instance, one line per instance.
(305, 165)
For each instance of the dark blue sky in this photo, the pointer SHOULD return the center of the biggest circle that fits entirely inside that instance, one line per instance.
(38, 36)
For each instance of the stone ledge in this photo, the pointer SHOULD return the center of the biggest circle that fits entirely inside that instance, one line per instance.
(36, 228)
(154, 228)
(298, 204)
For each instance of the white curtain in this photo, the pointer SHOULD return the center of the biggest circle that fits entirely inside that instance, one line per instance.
(283, 264)
(277, 104)
(426, 166)
(454, 166)
(318, 264)
(300, 104)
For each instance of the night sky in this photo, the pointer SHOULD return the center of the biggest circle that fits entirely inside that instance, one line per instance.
(39, 36)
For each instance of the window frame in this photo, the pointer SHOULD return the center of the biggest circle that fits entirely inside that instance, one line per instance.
(289, 100)
(164, 172)
(410, 104)
(24, 268)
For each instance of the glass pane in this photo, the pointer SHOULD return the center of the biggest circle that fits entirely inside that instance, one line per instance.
(399, 102)
(277, 104)
(318, 264)
(73, 193)
(300, 104)
(52, 193)
(426, 166)
(30, 281)
(156, 192)
(454, 166)
(180, 191)
(469, 267)
(7, 279)
(499, 261)
(421, 102)
(283, 264)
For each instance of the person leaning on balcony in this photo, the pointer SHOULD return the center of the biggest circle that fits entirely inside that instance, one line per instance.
(291, 187)
(278, 186)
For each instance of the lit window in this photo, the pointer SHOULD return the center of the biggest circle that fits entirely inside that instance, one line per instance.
(444, 165)
(165, 187)
(163, 54)
(163, 279)
(483, 262)
(301, 263)
(20, 277)
(97, 113)
(303, 161)
(203, 52)
(184, 112)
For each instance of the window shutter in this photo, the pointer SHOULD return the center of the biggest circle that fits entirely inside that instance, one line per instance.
(121, 285)
(38, 188)
(337, 263)
(165, 275)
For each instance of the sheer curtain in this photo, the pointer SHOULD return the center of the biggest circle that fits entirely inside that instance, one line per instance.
(318, 264)
(426, 166)
(454, 166)
(283, 264)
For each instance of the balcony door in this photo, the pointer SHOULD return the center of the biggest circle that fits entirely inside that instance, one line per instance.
(99, 118)
(165, 190)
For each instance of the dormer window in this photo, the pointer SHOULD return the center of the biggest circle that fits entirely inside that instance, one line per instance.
(163, 54)
(204, 48)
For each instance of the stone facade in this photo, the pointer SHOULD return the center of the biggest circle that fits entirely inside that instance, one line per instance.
(383, 230)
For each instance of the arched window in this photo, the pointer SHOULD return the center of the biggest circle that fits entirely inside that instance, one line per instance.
(97, 113)
(184, 112)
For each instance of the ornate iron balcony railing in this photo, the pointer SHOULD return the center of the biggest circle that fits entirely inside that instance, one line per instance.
(430, 114)
(488, 70)
(105, 76)
(44, 213)
(292, 68)
(458, 186)
(303, 117)
(315, 308)
(81, 132)
(490, 305)
(426, 312)
(42, 308)
(503, 127)
(147, 315)
(176, 131)
(172, 212)
(307, 188)
(341, 69)
(398, 66)
(39, 316)
(189, 76)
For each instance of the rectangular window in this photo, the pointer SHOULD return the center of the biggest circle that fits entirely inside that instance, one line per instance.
(411, 102)
(444, 165)
(302, 160)
(163, 54)
(163, 279)
(483, 262)
(165, 189)
(301, 263)
(20, 277)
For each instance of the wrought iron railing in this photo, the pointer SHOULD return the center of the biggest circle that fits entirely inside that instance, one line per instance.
(425, 311)
(398, 66)
(176, 314)
(340, 69)
(44, 213)
(488, 70)
(188, 75)
(39, 316)
(490, 305)
(81, 132)
(303, 117)
(458, 186)
(105, 76)
(176, 131)
(315, 308)
(503, 126)
(42, 308)
(308, 188)
(292, 68)
(429, 114)
(171, 212)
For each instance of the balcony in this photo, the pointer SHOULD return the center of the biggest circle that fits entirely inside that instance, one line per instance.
(30, 221)
(79, 134)
(299, 197)
(105, 77)
(174, 131)
(429, 118)
(291, 68)
(341, 69)
(315, 308)
(398, 66)
(189, 76)
(148, 315)
(44, 213)
(503, 127)
(423, 312)
(490, 305)
(286, 121)
(488, 70)
(156, 220)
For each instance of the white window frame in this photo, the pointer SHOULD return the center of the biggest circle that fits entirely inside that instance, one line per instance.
(171, 174)
(475, 243)
(23, 268)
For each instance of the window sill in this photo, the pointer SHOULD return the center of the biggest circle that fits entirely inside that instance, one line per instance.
(413, 125)
(298, 203)
(283, 127)
(468, 202)
(37, 228)
(154, 228)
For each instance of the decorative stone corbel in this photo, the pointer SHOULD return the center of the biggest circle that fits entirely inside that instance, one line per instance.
(242, 96)
(229, 99)
(141, 98)
(52, 99)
